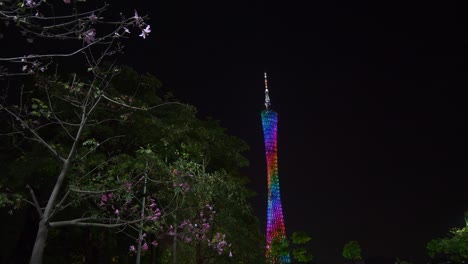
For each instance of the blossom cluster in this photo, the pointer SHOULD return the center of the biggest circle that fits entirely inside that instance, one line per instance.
(154, 213)
(180, 184)
(144, 245)
(219, 243)
(123, 205)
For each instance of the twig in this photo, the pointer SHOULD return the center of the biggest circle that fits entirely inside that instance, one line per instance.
(39, 138)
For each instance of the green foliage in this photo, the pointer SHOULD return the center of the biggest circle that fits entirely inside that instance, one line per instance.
(279, 247)
(301, 255)
(453, 248)
(119, 146)
(352, 251)
(294, 246)
(300, 238)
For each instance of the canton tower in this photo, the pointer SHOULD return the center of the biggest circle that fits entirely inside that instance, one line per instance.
(275, 223)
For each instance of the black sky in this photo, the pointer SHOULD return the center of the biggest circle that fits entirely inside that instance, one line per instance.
(372, 144)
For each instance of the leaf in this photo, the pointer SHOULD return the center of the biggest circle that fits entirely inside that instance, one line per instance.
(300, 254)
(300, 238)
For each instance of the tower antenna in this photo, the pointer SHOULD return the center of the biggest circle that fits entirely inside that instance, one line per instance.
(267, 96)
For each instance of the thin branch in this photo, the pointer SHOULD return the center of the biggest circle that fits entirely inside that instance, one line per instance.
(139, 108)
(93, 191)
(36, 203)
(59, 205)
(53, 113)
(100, 144)
(82, 222)
(28, 57)
(39, 138)
(95, 168)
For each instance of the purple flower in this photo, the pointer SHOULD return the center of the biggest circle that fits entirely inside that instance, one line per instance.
(154, 243)
(144, 247)
(126, 30)
(93, 18)
(30, 3)
(67, 1)
(137, 18)
(89, 36)
(132, 248)
(117, 211)
(230, 254)
(183, 224)
(145, 32)
(157, 212)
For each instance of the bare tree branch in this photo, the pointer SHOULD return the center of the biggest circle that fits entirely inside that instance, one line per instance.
(36, 203)
(82, 222)
(140, 108)
(59, 207)
(93, 191)
(39, 138)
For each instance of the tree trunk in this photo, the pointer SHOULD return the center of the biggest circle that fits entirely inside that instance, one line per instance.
(43, 230)
(174, 246)
(40, 243)
(153, 255)
(198, 256)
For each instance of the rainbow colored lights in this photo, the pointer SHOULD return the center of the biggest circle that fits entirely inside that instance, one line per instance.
(275, 221)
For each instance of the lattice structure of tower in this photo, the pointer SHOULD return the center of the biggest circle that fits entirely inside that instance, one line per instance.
(275, 222)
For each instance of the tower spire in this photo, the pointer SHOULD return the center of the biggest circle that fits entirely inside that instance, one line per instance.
(267, 97)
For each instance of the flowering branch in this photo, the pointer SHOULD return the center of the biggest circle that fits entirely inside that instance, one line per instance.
(91, 28)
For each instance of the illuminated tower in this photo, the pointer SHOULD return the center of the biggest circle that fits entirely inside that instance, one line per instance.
(275, 222)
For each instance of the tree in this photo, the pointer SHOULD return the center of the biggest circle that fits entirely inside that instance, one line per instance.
(352, 251)
(295, 247)
(95, 177)
(300, 253)
(32, 114)
(105, 180)
(81, 29)
(453, 248)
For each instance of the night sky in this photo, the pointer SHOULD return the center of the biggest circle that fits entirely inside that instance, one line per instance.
(372, 137)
